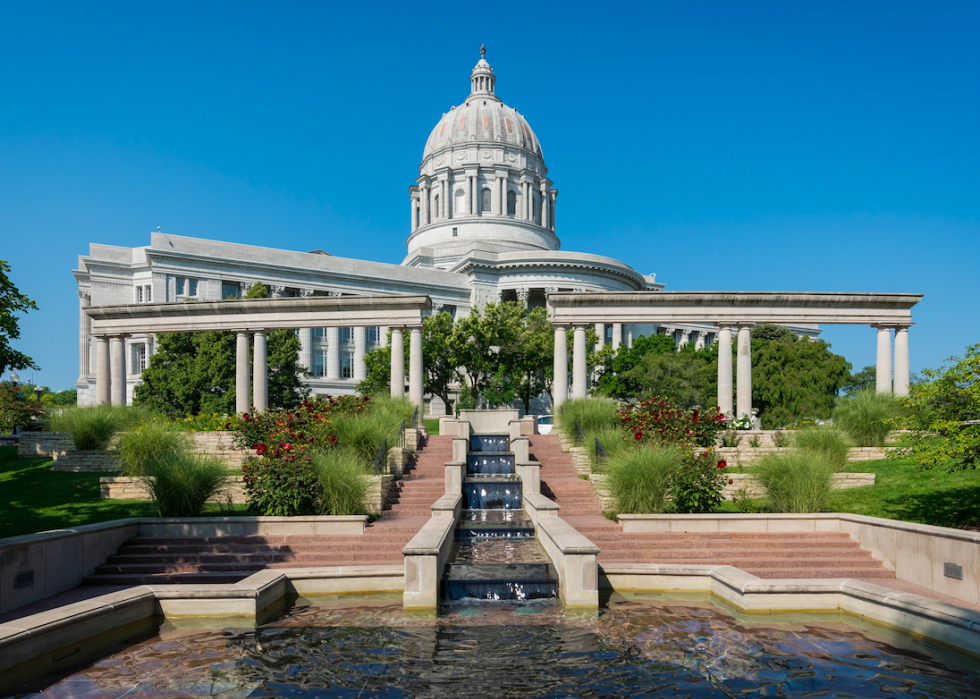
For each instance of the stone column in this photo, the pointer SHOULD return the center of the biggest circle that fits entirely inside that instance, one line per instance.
(743, 392)
(600, 329)
(545, 209)
(902, 361)
(883, 375)
(502, 198)
(416, 387)
(617, 338)
(397, 363)
(360, 343)
(382, 336)
(725, 369)
(415, 218)
(306, 348)
(333, 353)
(699, 342)
(84, 324)
(117, 368)
(242, 378)
(260, 373)
(103, 380)
(466, 200)
(424, 208)
(579, 368)
(560, 388)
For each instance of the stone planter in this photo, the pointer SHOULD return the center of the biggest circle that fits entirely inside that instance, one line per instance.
(745, 481)
(85, 461)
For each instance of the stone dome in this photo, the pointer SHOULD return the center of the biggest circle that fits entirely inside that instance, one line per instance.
(482, 118)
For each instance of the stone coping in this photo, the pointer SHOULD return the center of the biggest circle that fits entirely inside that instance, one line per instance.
(566, 537)
(429, 540)
(947, 623)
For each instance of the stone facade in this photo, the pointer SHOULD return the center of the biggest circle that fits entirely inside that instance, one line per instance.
(221, 446)
(85, 460)
(49, 444)
(746, 456)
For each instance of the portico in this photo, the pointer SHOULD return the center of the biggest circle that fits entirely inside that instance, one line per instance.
(734, 313)
(252, 320)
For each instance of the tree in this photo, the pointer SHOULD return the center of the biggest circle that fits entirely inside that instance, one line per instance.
(688, 378)
(439, 355)
(614, 377)
(11, 303)
(194, 373)
(793, 378)
(485, 340)
(532, 361)
(861, 380)
(944, 414)
(18, 407)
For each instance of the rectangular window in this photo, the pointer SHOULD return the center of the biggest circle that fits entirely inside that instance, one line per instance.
(347, 364)
(140, 358)
(149, 294)
(347, 336)
(455, 232)
(192, 287)
(139, 294)
(320, 363)
(230, 290)
(373, 337)
(319, 334)
(180, 286)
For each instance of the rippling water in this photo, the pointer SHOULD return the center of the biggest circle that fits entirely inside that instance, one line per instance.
(633, 648)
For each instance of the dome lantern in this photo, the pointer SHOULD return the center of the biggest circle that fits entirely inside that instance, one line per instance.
(482, 78)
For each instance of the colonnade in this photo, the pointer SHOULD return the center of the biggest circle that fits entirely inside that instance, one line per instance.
(734, 397)
(252, 371)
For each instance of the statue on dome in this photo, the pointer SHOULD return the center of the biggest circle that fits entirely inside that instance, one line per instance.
(483, 50)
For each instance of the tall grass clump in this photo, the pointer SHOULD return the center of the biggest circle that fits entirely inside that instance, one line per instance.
(867, 416)
(92, 427)
(180, 485)
(363, 435)
(343, 483)
(152, 441)
(640, 480)
(829, 442)
(593, 415)
(797, 481)
(611, 439)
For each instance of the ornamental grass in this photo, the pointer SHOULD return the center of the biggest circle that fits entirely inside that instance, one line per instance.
(180, 485)
(640, 480)
(797, 481)
(867, 416)
(93, 427)
(592, 414)
(152, 441)
(832, 443)
(343, 483)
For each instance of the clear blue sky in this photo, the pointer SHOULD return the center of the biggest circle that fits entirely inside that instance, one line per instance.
(769, 146)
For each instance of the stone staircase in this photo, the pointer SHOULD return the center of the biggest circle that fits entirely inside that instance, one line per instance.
(228, 559)
(765, 555)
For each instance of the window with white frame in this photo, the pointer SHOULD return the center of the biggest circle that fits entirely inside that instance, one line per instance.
(185, 287)
(139, 359)
(347, 363)
(373, 337)
(139, 294)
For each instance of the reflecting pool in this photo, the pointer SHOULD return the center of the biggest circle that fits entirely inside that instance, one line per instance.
(638, 646)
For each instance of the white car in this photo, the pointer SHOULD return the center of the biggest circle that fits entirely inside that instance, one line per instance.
(545, 423)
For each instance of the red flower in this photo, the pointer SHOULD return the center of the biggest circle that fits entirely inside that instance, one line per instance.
(722, 463)
(261, 449)
(638, 436)
(332, 439)
(730, 481)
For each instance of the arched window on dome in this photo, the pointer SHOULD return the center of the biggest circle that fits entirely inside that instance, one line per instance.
(435, 207)
(511, 203)
(485, 202)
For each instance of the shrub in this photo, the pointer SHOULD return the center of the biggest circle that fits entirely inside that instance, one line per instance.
(640, 480)
(362, 436)
(755, 442)
(780, 439)
(656, 421)
(797, 481)
(867, 416)
(593, 415)
(18, 409)
(93, 427)
(698, 483)
(180, 485)
(829, 442)
(343, 483)
(155, 440)
(281, 488)
(730, 439)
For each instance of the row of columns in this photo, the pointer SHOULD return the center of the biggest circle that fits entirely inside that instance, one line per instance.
(415, 378)
(110, 369)
(422, 199)
(734, 398)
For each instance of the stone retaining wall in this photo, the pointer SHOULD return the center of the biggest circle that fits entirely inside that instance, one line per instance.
(746, 456)
(49, 444)
(87, 461)
(127, 488)
(219, 445)
(740, 481)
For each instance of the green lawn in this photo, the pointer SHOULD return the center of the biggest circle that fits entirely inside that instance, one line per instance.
(34, 498)
(901, 492)
(431, 426)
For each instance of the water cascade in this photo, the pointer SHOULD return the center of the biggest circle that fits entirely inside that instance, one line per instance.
(496, 556)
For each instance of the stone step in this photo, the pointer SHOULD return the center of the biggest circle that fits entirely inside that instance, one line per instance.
(612, 542)
(167, 579)
(736, 536)
(743, 562)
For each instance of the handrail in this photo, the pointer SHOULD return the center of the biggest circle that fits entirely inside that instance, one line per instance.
(415, 417)
(401, 436)
(579, 434)
(381, 460)
(600, 458)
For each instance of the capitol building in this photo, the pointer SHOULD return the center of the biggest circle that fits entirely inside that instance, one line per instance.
(482, 227)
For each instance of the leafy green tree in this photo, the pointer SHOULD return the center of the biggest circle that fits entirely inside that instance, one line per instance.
(793, 378)
(687, 378)
(532, 361)
(861, 380)
(944, 414)
(439, 355)
(485, 340)
(18, 407)
(614, 371)
(194, 373)
(11, 303)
